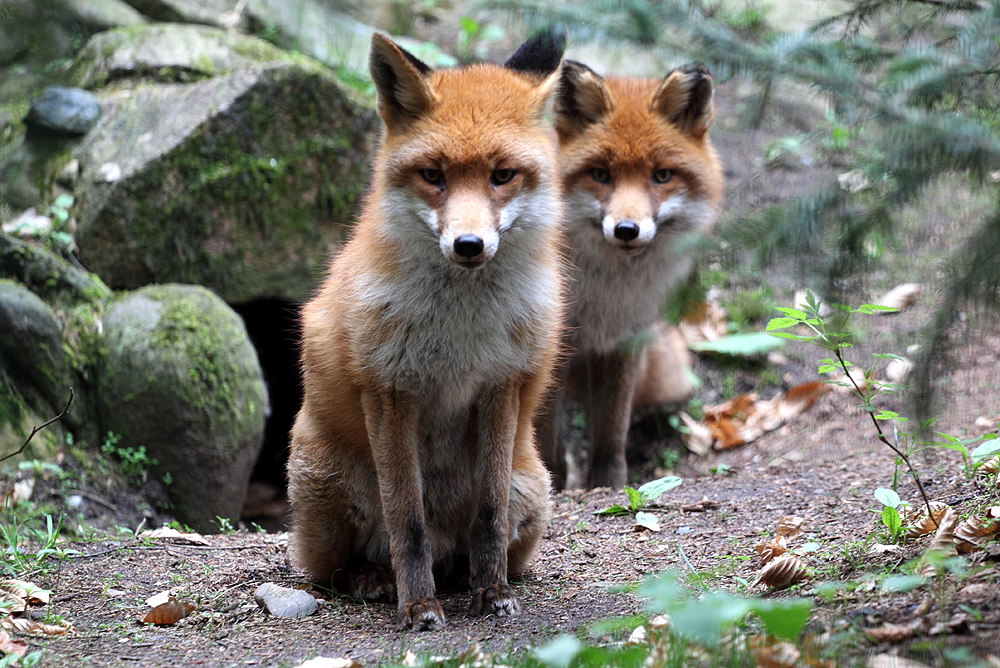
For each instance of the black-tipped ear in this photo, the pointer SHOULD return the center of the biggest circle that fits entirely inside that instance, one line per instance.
(401, 82)
(684, 99)
(541, 54)
(581, 99)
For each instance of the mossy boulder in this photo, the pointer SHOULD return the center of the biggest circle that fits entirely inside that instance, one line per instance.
(178, 375)
(244, 181)
(34, 370)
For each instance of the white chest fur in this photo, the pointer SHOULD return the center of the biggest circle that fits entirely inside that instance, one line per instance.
(456, 331)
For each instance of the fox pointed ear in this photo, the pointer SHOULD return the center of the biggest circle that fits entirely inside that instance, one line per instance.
(684, 99)
(581, 99)
(401, 82)
(541, 54)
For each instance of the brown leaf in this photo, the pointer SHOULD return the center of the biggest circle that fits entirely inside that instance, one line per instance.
(701, 506)
(975, 532)
(943, 544)
(918, 522)
(25, 625)
(782, 572)
(168, 613)
(900, 297)
(768, 550)
(895, 633)
(698, 439)
(8, 646)
(989, 466)
(790, 527)
(892, 661)
(323, 662)
(771, 653)
(747, 417)
(12, 603)
(705, 321)
(166, 533)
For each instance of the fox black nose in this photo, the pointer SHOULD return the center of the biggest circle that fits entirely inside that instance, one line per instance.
(469, 245)
(626, 231)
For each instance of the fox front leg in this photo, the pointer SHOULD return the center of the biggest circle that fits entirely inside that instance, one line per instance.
(497, 423)
(611, 380)
(392, 420)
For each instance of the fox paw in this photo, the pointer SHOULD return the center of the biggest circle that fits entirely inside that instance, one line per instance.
(372, 582)
(421, 615)
(498, 599)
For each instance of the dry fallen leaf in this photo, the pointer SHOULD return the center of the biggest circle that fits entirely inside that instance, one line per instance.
(8, 646)
(918, 522)
(770, 549)
(24, 625)
(989, 466)
(160, 598)
(975, 532)
(747, 417)
(698, 438)
(897, 369)
(176, 536)
(900, 297)
(168, 613)
(790, 527)
(891, 660)
(853, 181)
(782, 572)
(705, 321)
(701, 506)
(323, 662)
(943, 543)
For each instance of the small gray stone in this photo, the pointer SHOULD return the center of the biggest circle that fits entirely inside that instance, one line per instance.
(284, 602)
(61, 110)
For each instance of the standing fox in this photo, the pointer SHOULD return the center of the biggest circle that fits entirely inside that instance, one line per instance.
(430, 344)
(638, 173)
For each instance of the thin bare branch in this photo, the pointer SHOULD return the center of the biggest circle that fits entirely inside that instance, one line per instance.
(35, 430)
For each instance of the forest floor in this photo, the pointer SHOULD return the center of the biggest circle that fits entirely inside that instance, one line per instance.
(823, 466)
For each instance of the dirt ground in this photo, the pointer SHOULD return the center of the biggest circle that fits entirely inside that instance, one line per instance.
(823, 466)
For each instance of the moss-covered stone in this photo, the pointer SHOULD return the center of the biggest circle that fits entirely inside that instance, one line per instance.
(244, 182)
(167, 53)
(178, 375)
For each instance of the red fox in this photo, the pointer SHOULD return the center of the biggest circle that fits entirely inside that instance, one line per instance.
(430, 344)
(639, 174)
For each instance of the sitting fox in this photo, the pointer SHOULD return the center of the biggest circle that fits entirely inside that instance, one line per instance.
(638, 174)
(428, 348)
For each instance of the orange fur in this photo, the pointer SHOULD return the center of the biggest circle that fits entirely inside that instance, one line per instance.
(424, 360)
(639, 174)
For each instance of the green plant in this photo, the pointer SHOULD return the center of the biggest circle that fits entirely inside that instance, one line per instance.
(835, 341)
(890, 511)
(645, 494)
(132, 463)
(225, 526)
(51, 227)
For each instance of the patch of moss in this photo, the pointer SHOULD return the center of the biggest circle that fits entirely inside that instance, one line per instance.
(253, 202)
(191, 329)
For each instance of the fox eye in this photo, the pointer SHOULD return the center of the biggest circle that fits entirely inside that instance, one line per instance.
(662, 175)
(435, 177)
(502, 176)
(600, 175)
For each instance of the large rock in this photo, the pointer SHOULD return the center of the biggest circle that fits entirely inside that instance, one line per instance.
(34, 371)
(338, 38)
(178, 375)
(30, 340)
(244, 182)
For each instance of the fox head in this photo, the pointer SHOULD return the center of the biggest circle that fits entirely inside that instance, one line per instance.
(464, 159)
(634, 155)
